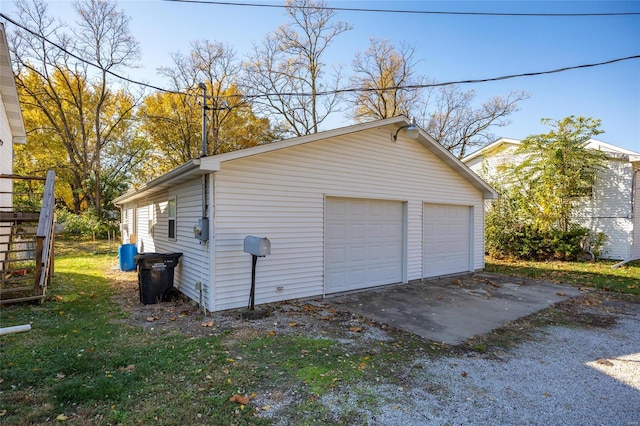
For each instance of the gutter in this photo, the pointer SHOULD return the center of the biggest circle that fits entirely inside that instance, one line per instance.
(188, 169)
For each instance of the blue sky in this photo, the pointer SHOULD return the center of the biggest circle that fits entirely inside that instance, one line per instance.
(451, 48)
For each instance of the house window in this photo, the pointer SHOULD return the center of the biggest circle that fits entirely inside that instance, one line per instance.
(171, 216)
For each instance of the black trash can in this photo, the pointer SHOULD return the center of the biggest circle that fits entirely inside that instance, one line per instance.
(155, 275)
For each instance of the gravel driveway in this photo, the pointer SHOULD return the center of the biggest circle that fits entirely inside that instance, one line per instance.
(566, 376)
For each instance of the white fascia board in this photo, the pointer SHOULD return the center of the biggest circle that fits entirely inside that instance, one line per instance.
(168, 180)
(9, 93)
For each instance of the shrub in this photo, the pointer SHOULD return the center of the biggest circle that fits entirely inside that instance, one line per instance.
(86, 224)
(509, 235)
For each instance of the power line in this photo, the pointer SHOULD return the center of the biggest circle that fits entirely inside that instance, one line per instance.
(414, 12)
(329, 92)
(3, 16)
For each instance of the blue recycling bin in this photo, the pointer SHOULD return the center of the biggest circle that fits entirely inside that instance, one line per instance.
(126, 254)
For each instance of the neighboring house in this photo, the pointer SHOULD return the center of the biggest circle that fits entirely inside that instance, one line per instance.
(345, 209)
(612, 208)
(12, 131)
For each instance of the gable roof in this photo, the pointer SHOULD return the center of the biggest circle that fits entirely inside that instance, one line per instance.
(213, 163)
(492, 146)
(9, 93)
(591, 143)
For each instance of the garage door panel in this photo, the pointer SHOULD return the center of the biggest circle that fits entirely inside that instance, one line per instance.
(446, 239)
(371, 246)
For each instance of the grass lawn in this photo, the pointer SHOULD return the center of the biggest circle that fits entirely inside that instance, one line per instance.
(84, 363)
(600, 275)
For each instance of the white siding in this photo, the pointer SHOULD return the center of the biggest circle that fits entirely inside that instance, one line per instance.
(608, 210)
(636, 216)
(194, 264)
(6, 167)
(6, 158)
(280, 195)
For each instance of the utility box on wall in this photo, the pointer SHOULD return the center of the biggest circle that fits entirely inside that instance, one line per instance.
(257, 246)
(201, 230)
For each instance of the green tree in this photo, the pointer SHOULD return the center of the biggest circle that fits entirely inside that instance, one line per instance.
(71, 107)
(558, 169)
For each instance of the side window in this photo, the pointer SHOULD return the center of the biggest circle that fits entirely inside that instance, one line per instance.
(171, 217)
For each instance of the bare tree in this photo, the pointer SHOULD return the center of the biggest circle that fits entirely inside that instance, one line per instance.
(216, 65)
(286, 74)
(458, 126)
(382, 74)
(72, 100)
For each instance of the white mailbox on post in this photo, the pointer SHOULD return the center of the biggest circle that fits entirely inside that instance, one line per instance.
(257, 246)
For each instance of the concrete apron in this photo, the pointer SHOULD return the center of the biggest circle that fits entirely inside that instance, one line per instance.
(453, 309)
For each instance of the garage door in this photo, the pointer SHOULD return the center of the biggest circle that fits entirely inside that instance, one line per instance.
(363, 243)
(446, 239)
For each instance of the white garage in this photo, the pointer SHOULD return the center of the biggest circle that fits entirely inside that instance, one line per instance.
(346, 209)
(363, 243)
(447, 239)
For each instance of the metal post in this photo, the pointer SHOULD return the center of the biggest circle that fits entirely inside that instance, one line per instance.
(204, 118)
(252, 294)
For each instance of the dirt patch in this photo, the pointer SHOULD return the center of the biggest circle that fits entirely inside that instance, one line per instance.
(316, 318)
(182, 315)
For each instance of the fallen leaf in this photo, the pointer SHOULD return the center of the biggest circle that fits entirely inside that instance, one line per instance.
(355, 329)
(207, 324)
(604, 362)
(3, 412)
(326, 318)
(464, 374)
(266, 408)
(60, 376)
(561, 293)
(493, 283)
(231, 360)
(293, 324)
(488, 293)
(547, 394)
(58, 298)
(456, 282)
(173, 318)
(243, 400)
(62, 418)
(271, 333)
(151, 319)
